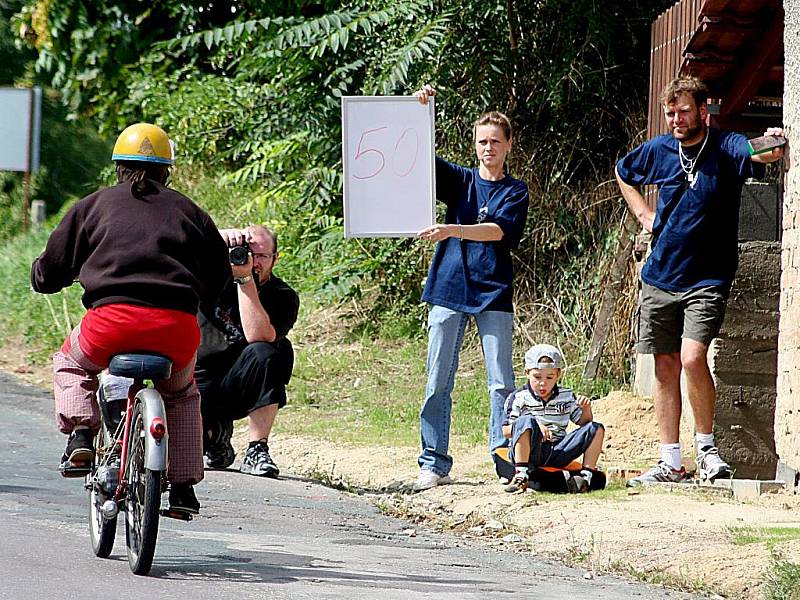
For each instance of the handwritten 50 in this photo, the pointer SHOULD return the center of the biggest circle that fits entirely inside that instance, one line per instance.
(373, 146)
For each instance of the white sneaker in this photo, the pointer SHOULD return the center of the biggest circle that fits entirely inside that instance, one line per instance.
(427, 479)
(661, 473)
(504, 481)
(710, 466)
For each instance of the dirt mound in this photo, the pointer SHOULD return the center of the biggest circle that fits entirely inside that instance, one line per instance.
(631, 429)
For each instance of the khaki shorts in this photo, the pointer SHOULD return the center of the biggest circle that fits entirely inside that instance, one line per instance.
(664, 318)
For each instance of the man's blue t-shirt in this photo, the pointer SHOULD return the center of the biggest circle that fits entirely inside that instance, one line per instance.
(469, 276)
(695, 232)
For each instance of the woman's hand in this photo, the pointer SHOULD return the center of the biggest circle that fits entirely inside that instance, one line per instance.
(425, 94)
(439, 232)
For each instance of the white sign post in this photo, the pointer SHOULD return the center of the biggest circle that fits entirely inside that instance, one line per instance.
(388, 158)
(20, 127)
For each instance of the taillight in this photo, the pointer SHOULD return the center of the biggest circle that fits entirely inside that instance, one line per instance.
(158, 429)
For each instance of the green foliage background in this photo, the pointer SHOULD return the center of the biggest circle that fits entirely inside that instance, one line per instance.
(251, 93)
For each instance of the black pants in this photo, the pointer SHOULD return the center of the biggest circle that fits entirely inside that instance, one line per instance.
(239, 381)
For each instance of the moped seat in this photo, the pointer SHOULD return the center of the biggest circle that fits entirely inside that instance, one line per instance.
(140, 366)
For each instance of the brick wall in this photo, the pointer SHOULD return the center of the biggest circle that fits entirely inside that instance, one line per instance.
(787, 411)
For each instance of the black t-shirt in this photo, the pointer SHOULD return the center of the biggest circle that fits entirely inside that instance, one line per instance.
(221, 325)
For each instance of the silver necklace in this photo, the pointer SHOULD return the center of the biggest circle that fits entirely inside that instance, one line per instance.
(688, 164)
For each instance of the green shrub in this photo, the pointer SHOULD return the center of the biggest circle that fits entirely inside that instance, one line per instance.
(41, 321)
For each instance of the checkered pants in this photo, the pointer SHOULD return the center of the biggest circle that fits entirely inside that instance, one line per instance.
(75, 387)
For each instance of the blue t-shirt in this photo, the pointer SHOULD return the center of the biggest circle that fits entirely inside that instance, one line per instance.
(470, 276)
(695, 232)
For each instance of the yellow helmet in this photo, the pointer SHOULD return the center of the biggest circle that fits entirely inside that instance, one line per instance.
(144, 142)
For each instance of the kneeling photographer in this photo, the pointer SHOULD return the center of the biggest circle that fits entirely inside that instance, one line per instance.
(245, 360)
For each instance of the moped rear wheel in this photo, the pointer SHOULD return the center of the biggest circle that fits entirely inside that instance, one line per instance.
(143, 501)
(102, 531)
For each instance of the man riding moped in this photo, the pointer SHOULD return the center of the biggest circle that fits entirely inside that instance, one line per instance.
(146, 257)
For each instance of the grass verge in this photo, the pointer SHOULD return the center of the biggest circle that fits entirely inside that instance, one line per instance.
(359, 390)
(783, 580)
(742, 536)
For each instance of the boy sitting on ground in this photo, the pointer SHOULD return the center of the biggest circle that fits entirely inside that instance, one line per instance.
(537, 416)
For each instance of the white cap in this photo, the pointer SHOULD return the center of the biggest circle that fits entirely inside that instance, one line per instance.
(534, 356)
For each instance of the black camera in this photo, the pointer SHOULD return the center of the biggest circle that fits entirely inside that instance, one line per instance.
(238, 254)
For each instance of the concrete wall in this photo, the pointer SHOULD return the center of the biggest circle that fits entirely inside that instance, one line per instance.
(787, 413)
(743, 361)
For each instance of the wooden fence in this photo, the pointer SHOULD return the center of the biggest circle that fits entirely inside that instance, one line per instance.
(669, 35)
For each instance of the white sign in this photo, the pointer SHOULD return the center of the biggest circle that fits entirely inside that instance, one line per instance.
(20, 124)
(389, 166)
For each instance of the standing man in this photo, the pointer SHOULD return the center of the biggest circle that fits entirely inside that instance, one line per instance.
(245, 360)
(687, 277)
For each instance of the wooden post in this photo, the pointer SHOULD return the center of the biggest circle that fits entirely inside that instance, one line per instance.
(616, 277)
(26, 201)
(26, 193)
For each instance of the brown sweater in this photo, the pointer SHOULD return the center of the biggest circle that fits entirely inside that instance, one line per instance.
(156, 249)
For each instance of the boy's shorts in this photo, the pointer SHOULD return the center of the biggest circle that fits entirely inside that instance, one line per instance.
(549, 454)
(664, 318)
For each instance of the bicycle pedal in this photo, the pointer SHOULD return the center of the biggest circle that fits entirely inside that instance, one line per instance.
(172, 513)
(69, 469)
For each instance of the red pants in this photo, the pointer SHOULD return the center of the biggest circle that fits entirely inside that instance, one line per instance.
(116, 328)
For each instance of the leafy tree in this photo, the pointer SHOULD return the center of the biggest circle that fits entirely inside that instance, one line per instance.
(91, 49)
(70, 153)
(252, 93)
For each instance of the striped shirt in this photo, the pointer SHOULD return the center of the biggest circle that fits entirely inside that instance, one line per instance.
(555, 413)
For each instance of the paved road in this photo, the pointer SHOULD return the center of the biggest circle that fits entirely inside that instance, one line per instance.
(256, 538)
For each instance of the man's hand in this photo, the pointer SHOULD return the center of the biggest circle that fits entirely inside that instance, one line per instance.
(238, 237)
(425, 94)
(776, 153)
(637, 204)
(245, 269)
(234, 237)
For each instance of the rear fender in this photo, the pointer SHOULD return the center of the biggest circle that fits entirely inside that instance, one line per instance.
(155, 451)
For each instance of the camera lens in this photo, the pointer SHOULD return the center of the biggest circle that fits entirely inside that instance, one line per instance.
(238, 255)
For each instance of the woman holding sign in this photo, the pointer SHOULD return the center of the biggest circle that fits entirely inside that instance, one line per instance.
(470, 276)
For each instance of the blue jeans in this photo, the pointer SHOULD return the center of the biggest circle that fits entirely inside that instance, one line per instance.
(445, 336)
(552, 454)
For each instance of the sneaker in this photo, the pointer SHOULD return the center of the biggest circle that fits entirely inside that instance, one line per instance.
(518, 485)
(79, 452)
(257, 461)
(182, 498)
(427, 479)
(504, 481)
(577, 484)
(218, 449)
(710, 466)
(661, 473)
